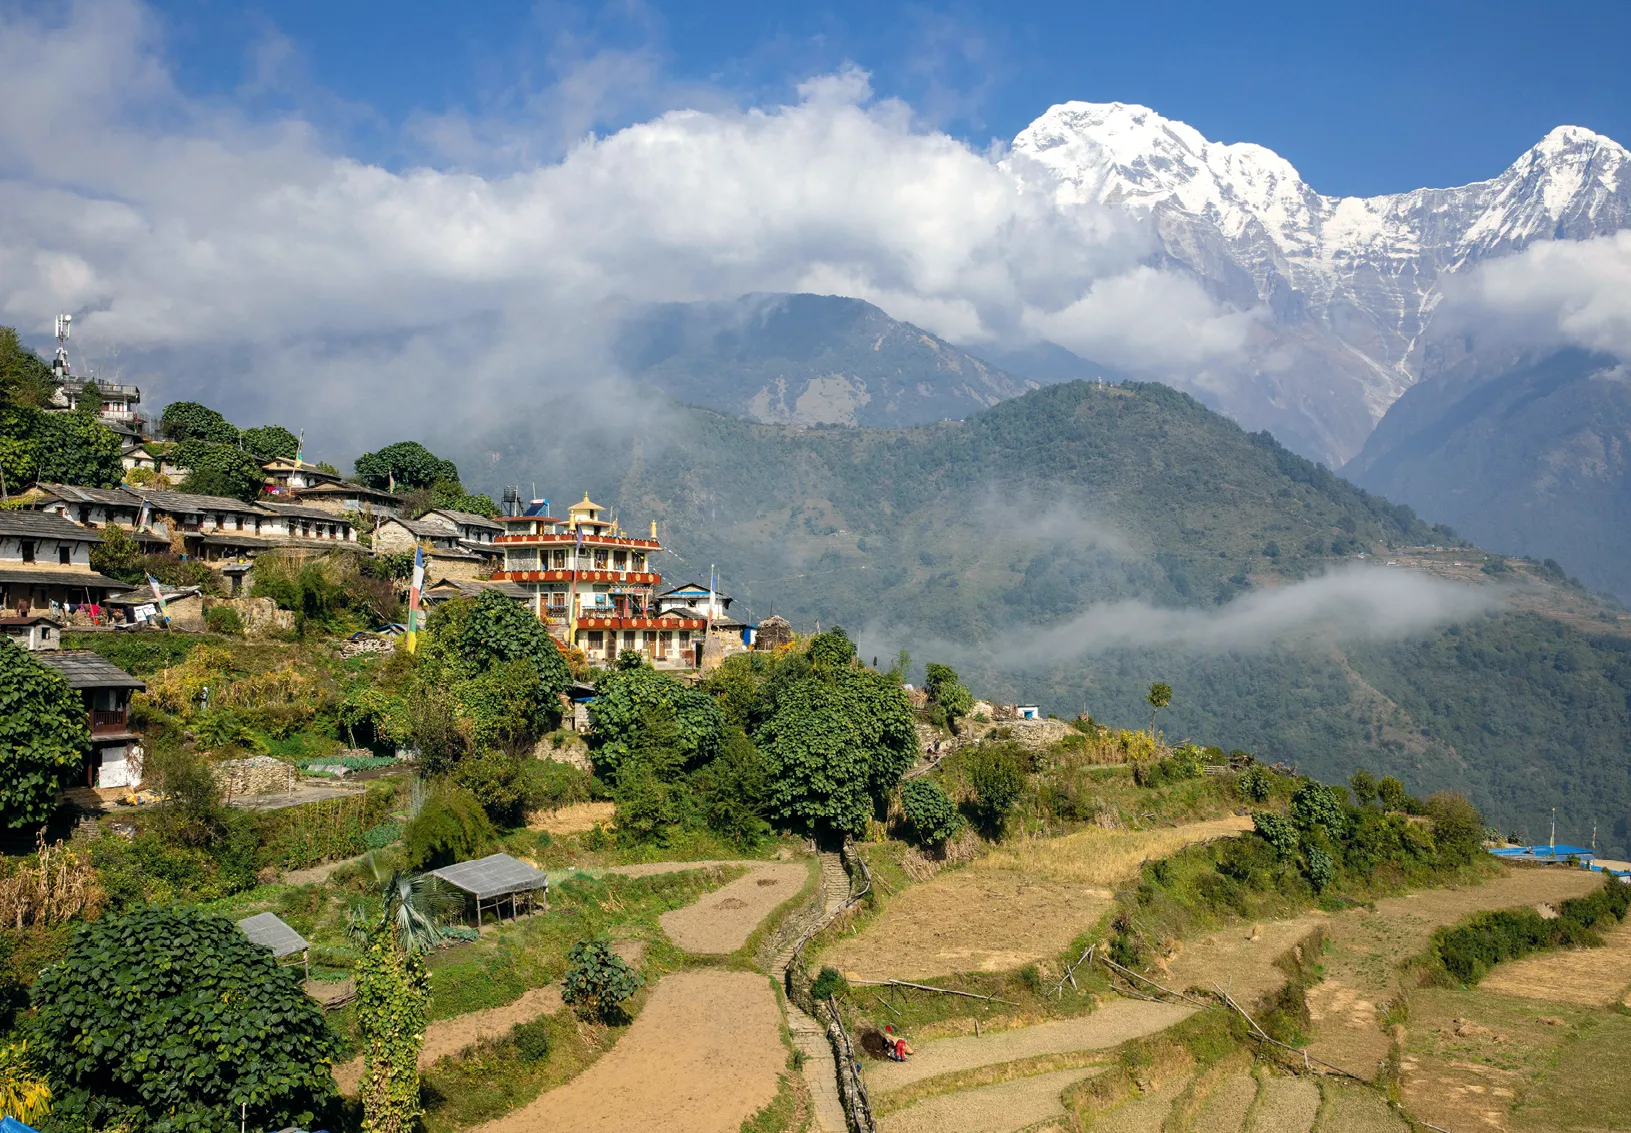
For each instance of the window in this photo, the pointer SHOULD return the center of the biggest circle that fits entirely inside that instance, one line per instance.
(621, 558)
(600, 560)
(65, 554)
(628, 639)
(238, 522)
(638, 563)
(557, 598)
(560, 559)
(596, 639)
(28, 550)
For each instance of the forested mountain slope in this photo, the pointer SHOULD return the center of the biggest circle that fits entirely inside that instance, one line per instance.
(1533, 458)
(1074, 544)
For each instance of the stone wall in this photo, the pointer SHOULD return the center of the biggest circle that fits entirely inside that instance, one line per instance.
(257, 775)
(260, 616)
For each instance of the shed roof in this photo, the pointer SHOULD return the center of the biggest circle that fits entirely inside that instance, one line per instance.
(270, 931)
(83, 669)
(493, 876)
(44, 525)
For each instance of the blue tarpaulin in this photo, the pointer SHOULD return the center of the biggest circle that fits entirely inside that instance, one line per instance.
(12, 1125)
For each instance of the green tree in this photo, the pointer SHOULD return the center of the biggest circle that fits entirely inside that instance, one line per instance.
(1159, 696)
(1458, 828)
(190, 421)
(393, 993)
(731, 790)
(946, 692)
(929, 809)
(25, 378)
(406, 465)
(1277, 831)
(44, 737)
(1363, 784)
(1315, 806)
(836, 738)
(497, 629)
(270, 442)
(450, 827)
(451, 494)
(167, 1018)
(635, 708)
(998, 779)
(118, 555)
(1392, 795)
(220, 470)
(598, 982)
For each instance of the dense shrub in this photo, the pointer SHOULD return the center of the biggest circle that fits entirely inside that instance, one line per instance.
(598, 982)
(1317, 808)
(930, 811)
(450, 827)
(166, 1018)
(44, 737)
(1185, 763)
(828, 983)
(1254, 783)
(1277, 831)
(532, 1040)
(1469, 950)
(224, 619)
(997, 776)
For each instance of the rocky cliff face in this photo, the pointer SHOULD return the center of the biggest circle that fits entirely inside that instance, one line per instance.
(1345, 286)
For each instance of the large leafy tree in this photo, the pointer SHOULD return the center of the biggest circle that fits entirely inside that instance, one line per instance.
(190, 421)
(167, 1018)
(499, 630)
(836, 741)
(268, 442)
(44, 737)
(65, 448)
(25, 379)
(641, 712)
(946, 691)
(220, 470)
(406, 464)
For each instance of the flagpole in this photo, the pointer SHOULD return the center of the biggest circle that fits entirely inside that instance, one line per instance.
(413, 598)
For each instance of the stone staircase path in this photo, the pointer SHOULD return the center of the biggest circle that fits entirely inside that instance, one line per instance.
(809, 1036)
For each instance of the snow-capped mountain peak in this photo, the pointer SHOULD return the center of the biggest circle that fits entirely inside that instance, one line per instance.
(1350, 282)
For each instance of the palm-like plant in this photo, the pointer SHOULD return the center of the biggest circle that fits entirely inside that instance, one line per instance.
(412, 909)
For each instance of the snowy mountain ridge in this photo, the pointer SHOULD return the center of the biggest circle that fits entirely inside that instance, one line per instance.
(1350, 282)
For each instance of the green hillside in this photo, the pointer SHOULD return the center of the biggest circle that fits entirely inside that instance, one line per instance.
(977, 540)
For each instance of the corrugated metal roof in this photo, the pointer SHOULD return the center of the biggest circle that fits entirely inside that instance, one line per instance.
(270, 931)
(493, 876)
(83, 669)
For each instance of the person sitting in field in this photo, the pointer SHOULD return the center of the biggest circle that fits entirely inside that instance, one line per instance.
(896, 1047)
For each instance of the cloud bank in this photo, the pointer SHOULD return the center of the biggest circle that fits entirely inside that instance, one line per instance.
(1355, 603)
(1554, 292)
(246, 258)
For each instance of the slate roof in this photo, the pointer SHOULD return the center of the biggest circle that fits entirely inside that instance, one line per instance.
(83, 669)
(493, 876)
(187, 502)
(73, 493)
(301, 511)
(470, 588)
(469, 519)
(42, 525)
(69, 578)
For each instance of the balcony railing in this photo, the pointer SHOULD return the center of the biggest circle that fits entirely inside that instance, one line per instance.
(105, 721)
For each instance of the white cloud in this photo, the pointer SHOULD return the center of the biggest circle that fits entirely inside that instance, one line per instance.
(246, 255)
(1575, 293)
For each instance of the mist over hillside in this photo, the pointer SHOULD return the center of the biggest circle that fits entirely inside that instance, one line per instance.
(1076, 543)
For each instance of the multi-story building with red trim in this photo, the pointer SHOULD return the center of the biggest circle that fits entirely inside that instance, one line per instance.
(592, 586)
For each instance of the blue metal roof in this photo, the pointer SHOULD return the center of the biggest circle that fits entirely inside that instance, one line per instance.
(1557, 853)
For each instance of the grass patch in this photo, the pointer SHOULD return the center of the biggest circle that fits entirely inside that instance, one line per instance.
(1096, 856)
(789, 1110)
(494, 1079)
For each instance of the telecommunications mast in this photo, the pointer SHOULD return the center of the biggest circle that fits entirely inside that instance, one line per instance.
(59, 365)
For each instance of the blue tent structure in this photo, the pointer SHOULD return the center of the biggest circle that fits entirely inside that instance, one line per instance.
(12, 1125)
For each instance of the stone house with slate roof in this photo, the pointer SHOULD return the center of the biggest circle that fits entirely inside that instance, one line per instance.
(116, 755)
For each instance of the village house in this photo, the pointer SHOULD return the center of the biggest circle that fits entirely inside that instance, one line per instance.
(591, 586)
(288, 475)
(32, 632)
(340, 496)
(45, 559)
(116, 756)
(445, 554)
(448, 588)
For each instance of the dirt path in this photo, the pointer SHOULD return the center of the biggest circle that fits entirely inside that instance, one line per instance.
(1018, 904)
(1002, 1108)
(1114, 1023)
(702, 1057)
(721, 922)
(651, 869)
(450, 1036)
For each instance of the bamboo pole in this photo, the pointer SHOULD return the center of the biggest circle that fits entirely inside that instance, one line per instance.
(936, 990)
(1134, 975)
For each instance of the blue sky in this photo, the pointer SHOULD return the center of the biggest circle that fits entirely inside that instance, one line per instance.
(1361, 98)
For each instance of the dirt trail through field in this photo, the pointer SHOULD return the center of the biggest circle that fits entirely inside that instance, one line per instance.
(1018, 904)
(450, 1036)
(721, 922)
(1114, 1023)
(1001, 1108)
(1596, 977)
(702, 1057)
